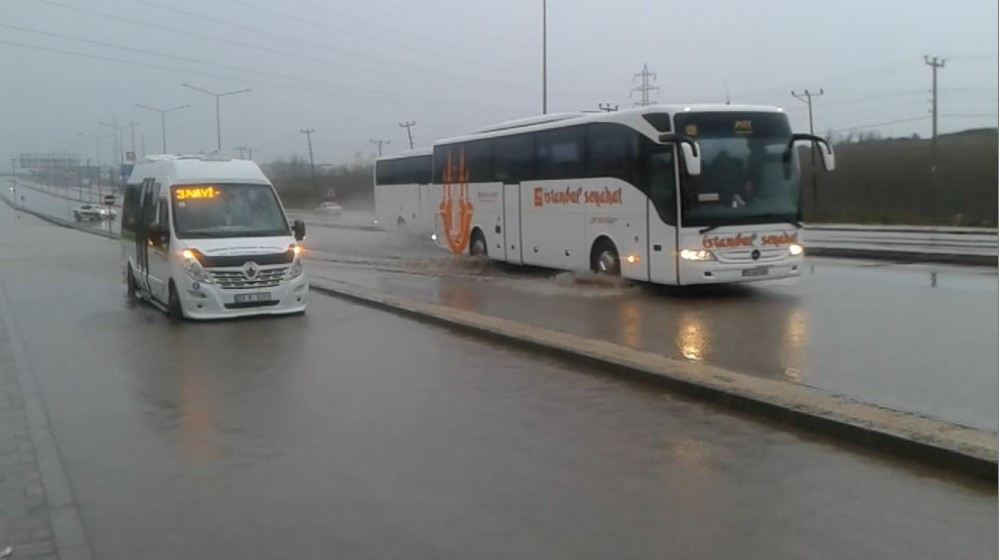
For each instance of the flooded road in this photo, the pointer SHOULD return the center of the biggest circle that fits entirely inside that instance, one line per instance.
(353, 433)
(914, 337)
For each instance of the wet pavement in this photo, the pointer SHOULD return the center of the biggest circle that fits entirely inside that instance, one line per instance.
(920, 338)
(353, 433)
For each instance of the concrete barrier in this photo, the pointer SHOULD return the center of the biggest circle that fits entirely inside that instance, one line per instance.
(965, 449)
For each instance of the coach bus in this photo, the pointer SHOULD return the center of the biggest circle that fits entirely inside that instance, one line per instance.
(405, 200)
(669, 194)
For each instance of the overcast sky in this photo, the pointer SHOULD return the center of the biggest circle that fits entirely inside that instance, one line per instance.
(353, 70)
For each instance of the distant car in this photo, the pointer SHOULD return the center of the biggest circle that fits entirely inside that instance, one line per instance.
(93, 213)
(331, 208)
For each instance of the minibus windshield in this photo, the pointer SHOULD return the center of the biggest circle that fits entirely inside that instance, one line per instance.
(227, 210)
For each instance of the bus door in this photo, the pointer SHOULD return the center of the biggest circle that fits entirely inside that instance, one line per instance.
(660, 177)
(512, 223)
(150, 192)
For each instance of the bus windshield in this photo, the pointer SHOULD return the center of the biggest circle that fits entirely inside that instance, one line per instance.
(744, 178)
(227, 210)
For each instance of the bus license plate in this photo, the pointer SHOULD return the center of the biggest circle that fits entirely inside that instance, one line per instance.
(757, 271)
(249, 298)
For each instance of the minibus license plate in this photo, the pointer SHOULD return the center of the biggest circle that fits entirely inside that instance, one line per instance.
(757, 271)
(256, 296)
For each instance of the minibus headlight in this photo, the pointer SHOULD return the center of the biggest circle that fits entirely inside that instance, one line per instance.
(697, 255)
(194, 269)
(795, 249)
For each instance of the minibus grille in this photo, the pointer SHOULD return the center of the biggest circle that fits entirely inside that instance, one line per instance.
(234, 279)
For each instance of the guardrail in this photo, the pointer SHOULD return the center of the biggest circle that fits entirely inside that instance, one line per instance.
(962, 245)
(89, 194)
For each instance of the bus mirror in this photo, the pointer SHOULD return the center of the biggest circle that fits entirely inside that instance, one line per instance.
(692, 159)
(689, 150)
(828, 161)
(825, 150)
(299, 228)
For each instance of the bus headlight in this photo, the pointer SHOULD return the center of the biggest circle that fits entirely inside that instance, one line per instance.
(697, 255)
(194, 269)
(795, 249)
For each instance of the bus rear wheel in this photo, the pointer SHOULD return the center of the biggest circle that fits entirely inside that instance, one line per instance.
(604, 258)
(477, 247)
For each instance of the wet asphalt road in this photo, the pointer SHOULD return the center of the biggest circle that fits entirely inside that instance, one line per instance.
(920, 338)
(353, 433)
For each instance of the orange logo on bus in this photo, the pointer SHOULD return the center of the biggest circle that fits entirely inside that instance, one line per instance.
(456, 208)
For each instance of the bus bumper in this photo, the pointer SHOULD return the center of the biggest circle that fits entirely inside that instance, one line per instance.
(715, 272)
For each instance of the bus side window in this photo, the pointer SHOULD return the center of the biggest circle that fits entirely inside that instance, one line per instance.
(613, 152)
(560, 153)
(661, 182)
(420, 170)
(513, 158)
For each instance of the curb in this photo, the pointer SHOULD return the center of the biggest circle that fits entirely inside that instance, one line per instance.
(67, 527)
(967, 450)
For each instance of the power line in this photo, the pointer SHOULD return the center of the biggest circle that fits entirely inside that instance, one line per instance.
(884, 123)
(276, 85)
(219, 38)
(409, 47)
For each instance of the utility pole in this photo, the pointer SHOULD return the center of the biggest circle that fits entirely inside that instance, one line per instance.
(545, 59)
(142, 143)
(218, 115)
(934, 63)
(607, 107)
(242, 150)
(645, 86)
(312, 164)
(409, 134)
(163, 120)
(380, 143)
(807, 97)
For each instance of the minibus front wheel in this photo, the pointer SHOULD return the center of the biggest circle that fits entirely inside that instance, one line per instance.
(174, 308)
(130, 285)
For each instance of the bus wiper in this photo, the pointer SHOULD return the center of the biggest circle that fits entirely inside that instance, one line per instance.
(709, 228)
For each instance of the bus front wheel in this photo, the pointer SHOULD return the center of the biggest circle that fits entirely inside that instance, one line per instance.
(604, 258)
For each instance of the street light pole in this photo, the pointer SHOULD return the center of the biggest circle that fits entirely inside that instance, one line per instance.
(218, 115)
(545, 59)
(163, 120)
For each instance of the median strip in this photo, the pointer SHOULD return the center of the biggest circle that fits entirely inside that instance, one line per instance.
(968, 450)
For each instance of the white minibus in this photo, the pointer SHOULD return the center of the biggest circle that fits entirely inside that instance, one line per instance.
(207, 238)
